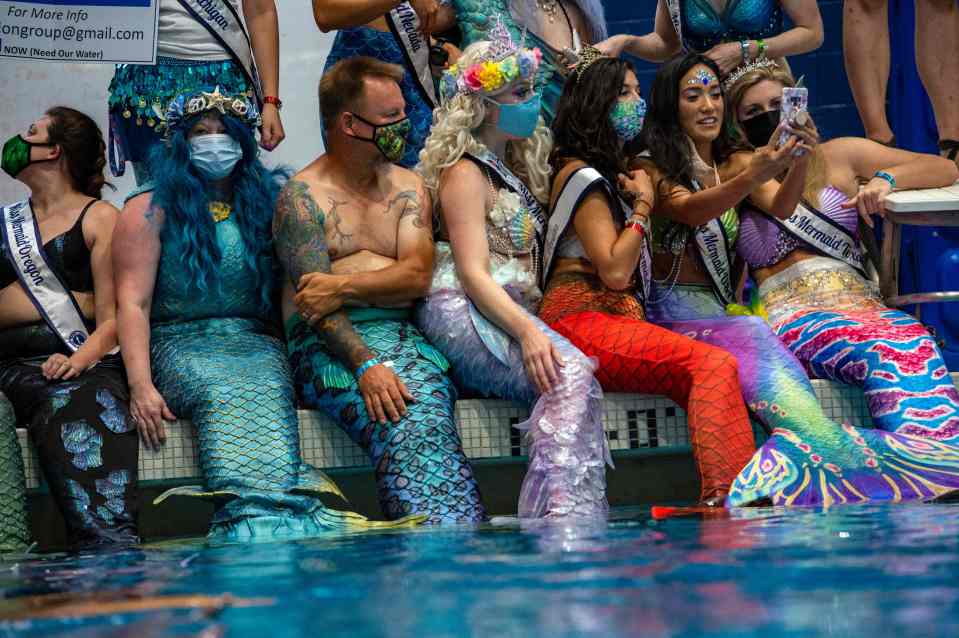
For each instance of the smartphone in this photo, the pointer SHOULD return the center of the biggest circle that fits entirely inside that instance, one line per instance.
(795, 102)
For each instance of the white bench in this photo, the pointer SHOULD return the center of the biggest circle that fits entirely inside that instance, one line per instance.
(632, 422)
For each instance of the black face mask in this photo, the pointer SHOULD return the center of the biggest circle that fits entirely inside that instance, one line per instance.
(759, 128)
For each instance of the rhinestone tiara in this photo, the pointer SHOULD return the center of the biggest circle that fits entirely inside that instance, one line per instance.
(739, 72)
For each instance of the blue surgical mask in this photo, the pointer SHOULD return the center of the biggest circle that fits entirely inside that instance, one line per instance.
(627, 118)
(519, 120)
(215, 155)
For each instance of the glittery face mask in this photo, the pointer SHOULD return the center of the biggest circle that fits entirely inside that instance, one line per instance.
(627, 118)
(389, 138)
(16, 155)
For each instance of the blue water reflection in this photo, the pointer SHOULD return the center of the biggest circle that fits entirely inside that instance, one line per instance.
(855, 571)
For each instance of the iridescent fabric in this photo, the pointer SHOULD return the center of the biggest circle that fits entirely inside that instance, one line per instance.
(216, 362)
(835, 322)
(14, 525)
(704, 28)
(136, 90)
(419, 463)
(382, 45)
(83, 435)
(567, 450)
(809, 459)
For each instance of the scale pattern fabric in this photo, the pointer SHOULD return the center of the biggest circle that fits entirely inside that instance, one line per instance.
(216, 363)
(14, 525)
(419, 462)
(637, 356)
(809, 459)
(567, 449)
(84, 437)
(136, 89)
(382, 45)
(841, 332)
(704, 28)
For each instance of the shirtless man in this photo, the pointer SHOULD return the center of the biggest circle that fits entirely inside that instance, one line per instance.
(354, 234)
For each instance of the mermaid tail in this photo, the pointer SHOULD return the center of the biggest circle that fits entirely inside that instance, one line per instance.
(14, 528)
(419, 462)
(567, 449)
(234, 383)
(636, 356)
(809, 459)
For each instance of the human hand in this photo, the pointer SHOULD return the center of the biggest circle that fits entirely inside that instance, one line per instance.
(427, 11)
(638, 183)
(769, 161)
(149, 410)
(59, 366)
(271, 129)
(871, 199)
(808, 136)
(727, 55)
(384, 394)
(614, 45)
(318, 294)
(540, 358)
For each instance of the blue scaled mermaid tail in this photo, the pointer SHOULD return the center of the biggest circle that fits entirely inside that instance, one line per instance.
(419, 463)
(233, 381)
(809, 459)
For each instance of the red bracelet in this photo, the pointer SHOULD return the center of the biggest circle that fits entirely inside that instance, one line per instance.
(636, 225)
(275, 101)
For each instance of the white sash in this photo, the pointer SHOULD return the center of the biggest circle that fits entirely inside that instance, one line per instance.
(575, 189)
(714, 251)
(48, 294)
(676, 17)
(220, 18)
(826, 236)
(405, 26)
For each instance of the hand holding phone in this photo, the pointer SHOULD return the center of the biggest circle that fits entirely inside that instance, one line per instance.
(794, 109)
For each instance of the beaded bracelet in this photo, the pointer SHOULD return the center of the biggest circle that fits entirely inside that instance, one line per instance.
(366, 365)
(760, 49)
(744, 45)
(886, 176)
(275, 101)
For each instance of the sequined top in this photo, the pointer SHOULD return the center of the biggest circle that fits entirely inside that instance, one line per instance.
(704, 28)
(763, 242)
(176, 298)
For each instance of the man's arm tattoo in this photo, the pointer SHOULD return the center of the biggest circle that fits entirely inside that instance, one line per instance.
(410, 204)
(300, 238)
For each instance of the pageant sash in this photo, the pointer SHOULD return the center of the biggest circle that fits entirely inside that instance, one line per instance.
(826, 236)
(405, 26)
(221, 19)
(48, 294)
(676, 17)
(714, 252)
(574, 191)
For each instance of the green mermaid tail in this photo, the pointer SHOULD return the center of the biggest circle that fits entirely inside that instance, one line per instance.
(14, 527)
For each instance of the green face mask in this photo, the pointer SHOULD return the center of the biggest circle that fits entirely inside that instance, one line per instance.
(16, 155)
(390, 138)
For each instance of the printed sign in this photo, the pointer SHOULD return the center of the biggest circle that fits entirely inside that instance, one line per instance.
(108, 31)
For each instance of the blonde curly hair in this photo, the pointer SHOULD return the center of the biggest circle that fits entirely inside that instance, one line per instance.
(454, 123)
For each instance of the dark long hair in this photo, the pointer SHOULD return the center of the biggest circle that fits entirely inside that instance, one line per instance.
(582, 128)
(663, 135)
(84, 150)
(183, 196)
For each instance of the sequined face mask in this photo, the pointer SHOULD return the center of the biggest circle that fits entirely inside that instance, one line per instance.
(627, 118)
(16, 155)
(389, 138)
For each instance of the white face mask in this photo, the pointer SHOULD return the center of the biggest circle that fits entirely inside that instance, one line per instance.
(215, 155)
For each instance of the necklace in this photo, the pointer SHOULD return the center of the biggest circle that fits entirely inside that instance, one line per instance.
(548, 7)
(220, 211)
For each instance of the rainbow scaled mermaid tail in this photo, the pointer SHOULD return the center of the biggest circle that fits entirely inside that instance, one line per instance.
(233, 382)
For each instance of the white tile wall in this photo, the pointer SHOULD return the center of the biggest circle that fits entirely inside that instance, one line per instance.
(631, 421)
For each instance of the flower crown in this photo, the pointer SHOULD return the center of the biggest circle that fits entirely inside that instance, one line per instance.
(502, 64)
(183, 107)
(736, 75)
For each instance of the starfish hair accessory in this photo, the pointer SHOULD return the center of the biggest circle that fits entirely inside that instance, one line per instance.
(703, 77)
(587, 56)
(739, 72)
(183, 107)
(503, 63)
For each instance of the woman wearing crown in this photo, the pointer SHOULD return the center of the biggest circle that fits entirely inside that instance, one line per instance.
(805, 255)
(195, 283)
(485, 280)
(700, 182)
(597, 268)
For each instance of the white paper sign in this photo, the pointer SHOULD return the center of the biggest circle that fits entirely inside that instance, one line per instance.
(107, 31)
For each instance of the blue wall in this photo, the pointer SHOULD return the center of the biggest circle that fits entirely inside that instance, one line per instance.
(930, 257)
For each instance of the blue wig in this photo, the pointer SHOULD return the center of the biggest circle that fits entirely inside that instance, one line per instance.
(183, 194)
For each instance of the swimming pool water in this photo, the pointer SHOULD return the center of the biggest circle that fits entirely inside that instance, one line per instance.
(853, 571)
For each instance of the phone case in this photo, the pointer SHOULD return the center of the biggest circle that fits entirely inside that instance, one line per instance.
(795, 99)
